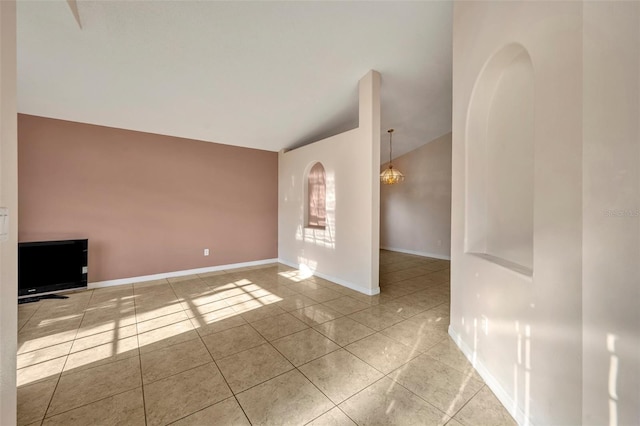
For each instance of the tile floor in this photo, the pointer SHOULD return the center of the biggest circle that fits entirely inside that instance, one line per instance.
(261, 345)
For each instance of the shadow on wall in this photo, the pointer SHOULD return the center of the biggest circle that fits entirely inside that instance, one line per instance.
(522, 368)
(317, 209)
(613, 379)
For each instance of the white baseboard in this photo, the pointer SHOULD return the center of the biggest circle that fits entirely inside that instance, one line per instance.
(418, 253)
(352, 286)
(503, 396)
(121, 281)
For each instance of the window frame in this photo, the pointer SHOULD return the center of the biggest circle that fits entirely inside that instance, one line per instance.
(316, 191)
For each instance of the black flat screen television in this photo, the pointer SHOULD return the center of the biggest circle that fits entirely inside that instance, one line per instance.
(51, 266)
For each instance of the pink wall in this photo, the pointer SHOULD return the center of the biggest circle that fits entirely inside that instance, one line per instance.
(147, 203)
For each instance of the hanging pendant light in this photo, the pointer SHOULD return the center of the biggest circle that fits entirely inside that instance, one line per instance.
(390, 175)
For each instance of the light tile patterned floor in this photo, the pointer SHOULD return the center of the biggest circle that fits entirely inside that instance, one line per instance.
(260, 346)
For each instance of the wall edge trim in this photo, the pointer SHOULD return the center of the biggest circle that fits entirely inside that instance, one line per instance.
(342, 282)
(503, 396)
(417, 253)
(143, 278)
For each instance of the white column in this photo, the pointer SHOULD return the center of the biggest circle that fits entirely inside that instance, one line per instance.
(369, 127)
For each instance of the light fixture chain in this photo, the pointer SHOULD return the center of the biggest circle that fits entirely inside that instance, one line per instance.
(390, 131)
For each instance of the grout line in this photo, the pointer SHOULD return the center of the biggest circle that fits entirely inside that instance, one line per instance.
(366, 362)
(468, 401)
(294, 368)
(209, 406)
(284, 335)
(144, 402)
(67, 358)
(179, 372)
(92, 402)
(264, 381)
(360, 391)
(51, 398)
(307, 327)
(397, 383)
(317, 417)
(344, 412)
(30, 316)
(297, 367)
(225, 381)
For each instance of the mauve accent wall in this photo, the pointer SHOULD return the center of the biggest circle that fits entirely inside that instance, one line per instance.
(147, 203)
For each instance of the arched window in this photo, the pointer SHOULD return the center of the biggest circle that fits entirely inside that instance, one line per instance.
(317, 198)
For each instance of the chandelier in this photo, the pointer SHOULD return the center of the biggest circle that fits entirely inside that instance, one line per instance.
(390, 175)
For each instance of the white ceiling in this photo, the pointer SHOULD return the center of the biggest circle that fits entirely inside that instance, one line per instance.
(266, 75)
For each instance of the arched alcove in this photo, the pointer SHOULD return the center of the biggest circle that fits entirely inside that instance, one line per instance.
(500, 160)
(316, 198)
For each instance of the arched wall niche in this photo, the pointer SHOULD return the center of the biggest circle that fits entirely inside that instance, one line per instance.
(500, 160)
(315, 214)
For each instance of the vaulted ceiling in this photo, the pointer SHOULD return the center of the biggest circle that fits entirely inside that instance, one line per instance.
(265, 75)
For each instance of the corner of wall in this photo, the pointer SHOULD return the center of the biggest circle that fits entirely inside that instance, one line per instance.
(8, 199)
(503, 395)
(369, 125)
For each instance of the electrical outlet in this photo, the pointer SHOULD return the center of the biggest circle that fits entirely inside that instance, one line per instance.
(206, 252)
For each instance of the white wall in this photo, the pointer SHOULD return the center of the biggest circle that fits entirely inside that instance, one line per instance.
(611, 217)
(560, 346)
(8, 198)
(415, 215)
(530, 350)
(347, 251)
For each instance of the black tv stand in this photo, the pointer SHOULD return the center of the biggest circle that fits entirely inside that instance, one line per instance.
(38, 298)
